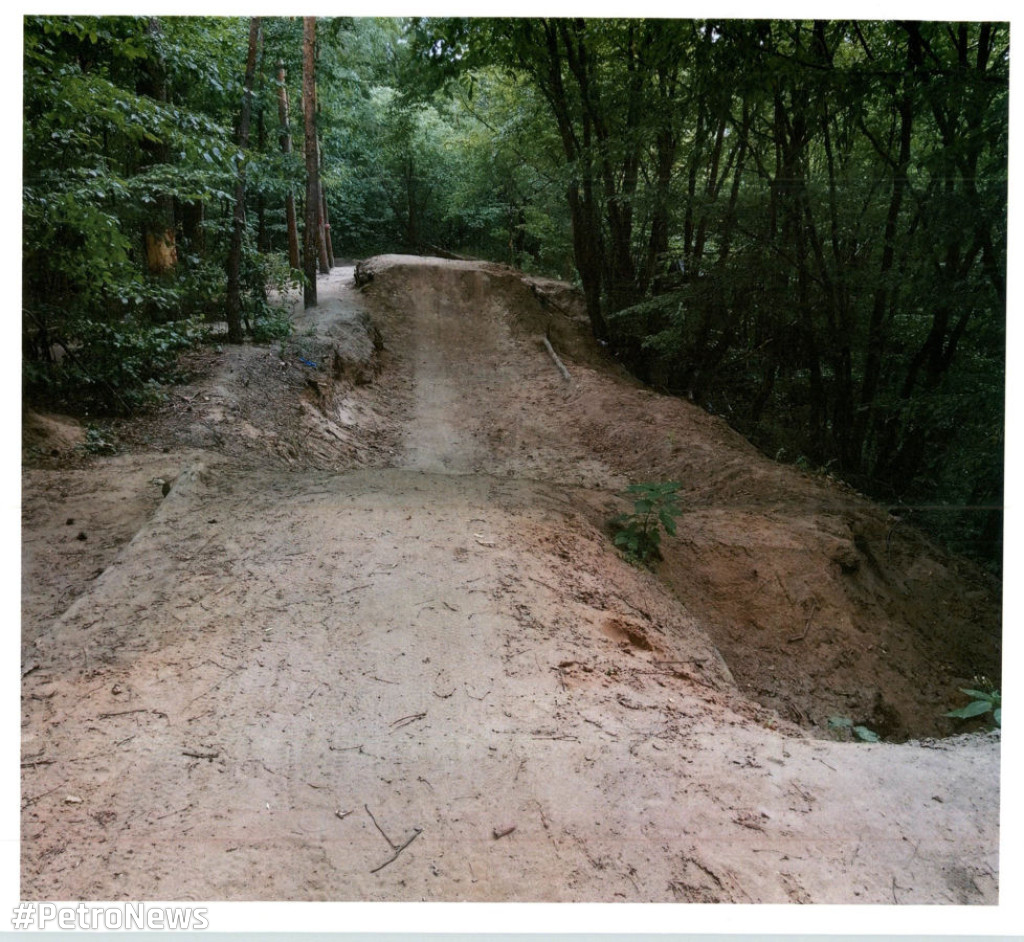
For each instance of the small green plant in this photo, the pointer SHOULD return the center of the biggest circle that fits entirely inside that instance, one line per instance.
(97, 443)
(861, 732)
(270, 323)
(655, 507)
(982, 702)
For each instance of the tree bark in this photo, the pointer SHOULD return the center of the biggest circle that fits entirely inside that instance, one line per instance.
(286, 146)
(158, 229)
(328, 243)
(262, 232)
(323, 239)
(234, 266)
(310, 237)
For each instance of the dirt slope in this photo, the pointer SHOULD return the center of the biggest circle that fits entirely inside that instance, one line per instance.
(375, 644)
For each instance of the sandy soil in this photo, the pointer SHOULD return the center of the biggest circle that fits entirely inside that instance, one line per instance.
(375, 643)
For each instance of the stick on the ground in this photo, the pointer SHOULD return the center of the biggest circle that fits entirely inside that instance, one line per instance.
(406, 720)
(356, 588)
(391, 843)
(416, 832)
(196, 754)
(211, 689)
(557, 359)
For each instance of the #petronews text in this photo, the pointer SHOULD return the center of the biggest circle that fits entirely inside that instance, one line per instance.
(109, 916)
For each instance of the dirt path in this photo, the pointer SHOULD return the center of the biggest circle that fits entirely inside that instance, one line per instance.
(375, 644)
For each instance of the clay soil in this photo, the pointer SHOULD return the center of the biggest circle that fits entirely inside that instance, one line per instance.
(375, 643)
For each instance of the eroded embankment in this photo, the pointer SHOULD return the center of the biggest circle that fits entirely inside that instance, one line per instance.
(822, 603)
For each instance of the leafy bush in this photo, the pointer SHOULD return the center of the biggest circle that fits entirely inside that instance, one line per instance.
(655, 507)
(98, 442)
(270, 323)
(114, 368)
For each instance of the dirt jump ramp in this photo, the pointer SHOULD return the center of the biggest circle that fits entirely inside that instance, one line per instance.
(436, 678)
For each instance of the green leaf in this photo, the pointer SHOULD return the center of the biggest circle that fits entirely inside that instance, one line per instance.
(839, 722)
(974, 708)
(997, 715)
(990, 696)
(865, 734)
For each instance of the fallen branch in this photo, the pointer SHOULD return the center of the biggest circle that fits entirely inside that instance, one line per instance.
(557, 359)
(416, 832)
(355, 588)
(176, 811)
(201, 755)
(406, 720)
(211, 689)
(107, 716)
(378, 827)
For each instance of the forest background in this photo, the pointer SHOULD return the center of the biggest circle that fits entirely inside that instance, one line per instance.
(799, 225)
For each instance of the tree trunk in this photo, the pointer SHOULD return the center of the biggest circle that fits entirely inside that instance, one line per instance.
(328, 243)
(158, 229)
(310, 240)
(327, 247)
(234, 266)
(286, 147)
(262, 232)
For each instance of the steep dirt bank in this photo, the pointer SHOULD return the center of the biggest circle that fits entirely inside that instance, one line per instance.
(375, 643)
(822, 603)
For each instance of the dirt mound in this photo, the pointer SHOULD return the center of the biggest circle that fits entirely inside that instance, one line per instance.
(821, 602)
(46, 435)
(344, 622)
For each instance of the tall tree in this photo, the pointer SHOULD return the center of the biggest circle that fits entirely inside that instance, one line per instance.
(286, 146)
(234, 262)
(310, 239)
(158, 228)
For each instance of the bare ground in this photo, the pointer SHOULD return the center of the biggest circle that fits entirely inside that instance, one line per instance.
(375, 643)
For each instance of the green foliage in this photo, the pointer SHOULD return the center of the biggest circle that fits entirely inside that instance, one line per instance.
(982, 702)
(114, 368)
(655, 507)
(861, 732)
(129, 132)
(799, 225)
(270, 323)
(98, 442)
